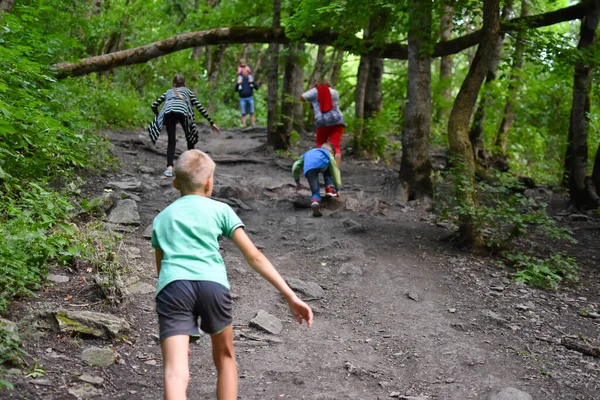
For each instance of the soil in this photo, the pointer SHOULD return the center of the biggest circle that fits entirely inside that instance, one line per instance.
(405, 313)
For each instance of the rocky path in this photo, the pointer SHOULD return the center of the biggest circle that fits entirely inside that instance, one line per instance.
(399, 313)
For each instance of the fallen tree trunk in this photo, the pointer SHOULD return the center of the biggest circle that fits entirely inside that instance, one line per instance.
(234, 35)
(582, 347)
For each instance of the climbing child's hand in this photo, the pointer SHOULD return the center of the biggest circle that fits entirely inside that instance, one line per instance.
(215, 128)
(301, 310)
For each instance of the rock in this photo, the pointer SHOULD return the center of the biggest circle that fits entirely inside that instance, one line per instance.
(9, 326)
(301, 202)
(310, 289)
(267, 322)
(102, 204)
(58, 278)
(90, 323)
(241, 204)
(133, 252)
(290, 221)
(352, 205)
(96, 380)
(99, 356)
(510, 393)
(84, 392)
(12, 335)
(497, 288)
(141, 288)
(130, 184)
(579, 217)
(353, 226)
(41, 382)
(350, 269)
(132, 196)
(452, 310)
(125, 213)
(146, 170)
(228, 192)
(413, 296)
(147, 234)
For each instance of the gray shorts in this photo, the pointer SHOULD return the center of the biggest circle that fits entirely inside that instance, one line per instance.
(181, 303)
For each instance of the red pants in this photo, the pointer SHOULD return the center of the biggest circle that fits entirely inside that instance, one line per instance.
(333, 133)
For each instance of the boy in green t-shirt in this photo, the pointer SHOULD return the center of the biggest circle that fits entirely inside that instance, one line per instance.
(192, 281)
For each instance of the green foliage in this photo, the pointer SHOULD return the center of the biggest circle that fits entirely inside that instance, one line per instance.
(546, 273)
(376, 134)
(504, 215)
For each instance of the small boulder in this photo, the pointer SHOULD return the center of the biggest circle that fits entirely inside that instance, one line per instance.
(352, 205)
(85, 392)
(130, 184)
(58, 278)
(99, 356)
(90, 323)
(267, 322)
(125, 213)
(350, 269)
(96, 380)
(144, 169)
(510, 393)
(147, 234)
(309, 289)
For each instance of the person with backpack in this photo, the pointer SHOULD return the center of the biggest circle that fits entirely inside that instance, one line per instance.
(177, 109)
(329, 120)
(245, 89)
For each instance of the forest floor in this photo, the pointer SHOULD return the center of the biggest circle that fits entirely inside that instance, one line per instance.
(404, 313)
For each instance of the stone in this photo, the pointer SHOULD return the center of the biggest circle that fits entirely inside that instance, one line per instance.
(144, 169)
(132, 196)
(241, 204)
(9, 326)
(510, 393)
(103, 203)
(85, 391)
(41, 382)
(99, 356)
(130, 184)
(12, 335)
(350, 269)
(147, 234)
(90, 323)
(353, 226)
(125, 213)
(579, 217)
(497, 288)
(96, 380)
(352, 205)
(58, 278)
(141, 288)
(310, 289)
(290, 221)
(133, 252)
(267, 322)
(413, 296)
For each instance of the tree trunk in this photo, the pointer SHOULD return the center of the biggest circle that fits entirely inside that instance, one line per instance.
(299, 88)
(216, 57)
(596, 171)
(446, 26)
(458, 127)
(359, 101)
(501, 142)
(373, 96)
(579, 113)
(476, 134)
(6, 5)
(338, 61)
(288, 98)
(273, 138)
(396, 51)
(317, 72)
(415, 168)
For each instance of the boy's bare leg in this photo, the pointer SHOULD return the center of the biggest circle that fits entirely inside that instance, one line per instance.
(253, 119)
(176, 369)
(338, 158)
(244, 121)
(224, 358)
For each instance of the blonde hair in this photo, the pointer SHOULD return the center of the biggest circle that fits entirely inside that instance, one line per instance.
(178, 81)
(242, 61)
(194, 169)
(328, 147)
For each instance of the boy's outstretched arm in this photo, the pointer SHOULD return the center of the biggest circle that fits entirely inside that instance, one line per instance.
(263, 266)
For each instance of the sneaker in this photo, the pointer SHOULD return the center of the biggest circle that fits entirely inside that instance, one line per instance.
(330, 191)
(316, 209)
(168, 173)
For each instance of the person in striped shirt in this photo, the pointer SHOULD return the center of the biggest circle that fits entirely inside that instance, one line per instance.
(178, 108)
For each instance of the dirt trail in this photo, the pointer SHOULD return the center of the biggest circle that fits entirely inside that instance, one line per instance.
(403, 314)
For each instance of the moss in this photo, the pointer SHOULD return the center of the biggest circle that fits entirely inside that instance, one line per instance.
(68, 325)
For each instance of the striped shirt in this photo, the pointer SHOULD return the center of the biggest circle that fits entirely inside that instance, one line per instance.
(180, 105)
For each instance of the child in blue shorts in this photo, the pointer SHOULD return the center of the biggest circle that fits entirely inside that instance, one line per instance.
(312, 163)
(192, 281)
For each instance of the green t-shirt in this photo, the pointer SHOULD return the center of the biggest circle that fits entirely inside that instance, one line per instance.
(187, 232)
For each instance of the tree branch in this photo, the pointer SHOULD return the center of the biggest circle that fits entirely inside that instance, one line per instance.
(234, 35)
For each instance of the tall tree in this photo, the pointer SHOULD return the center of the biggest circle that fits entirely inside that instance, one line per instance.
(288, 98)
(359, 98)
(273, 138)
(373, 96)
(476, 132)
(299, 88)
(596, 172)
(415, 168)
(458, 126)
(446, 25)
(338, 60)
(577, 152)
(508, 118)
(317, 72)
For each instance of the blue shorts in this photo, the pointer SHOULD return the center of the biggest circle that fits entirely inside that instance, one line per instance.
(247, 105)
